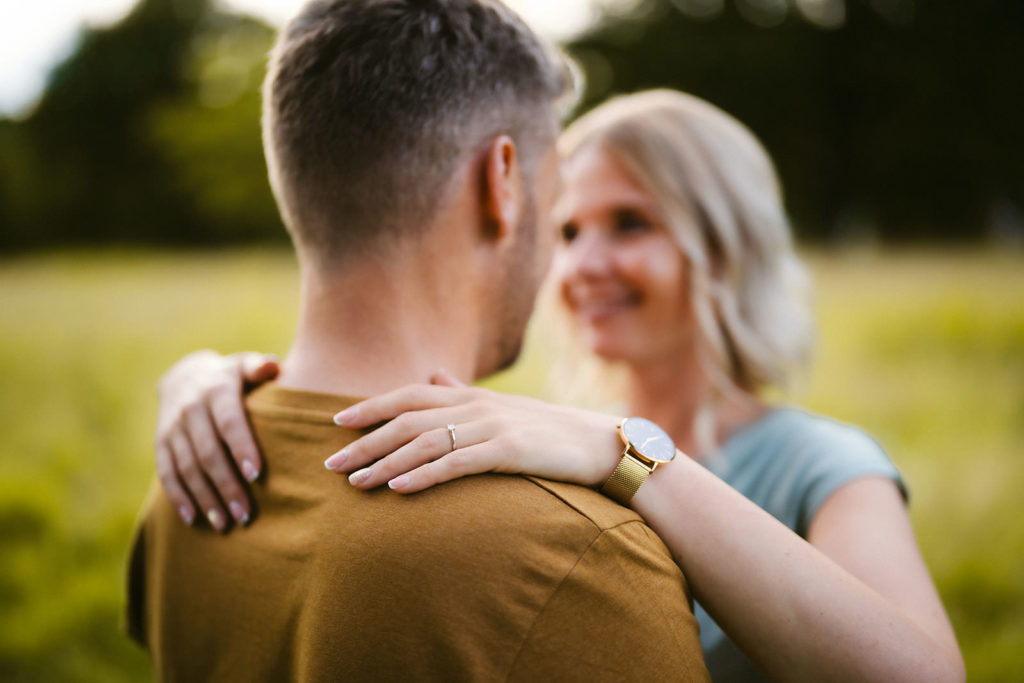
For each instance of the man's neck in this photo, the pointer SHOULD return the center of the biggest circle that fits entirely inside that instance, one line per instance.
(375, 329)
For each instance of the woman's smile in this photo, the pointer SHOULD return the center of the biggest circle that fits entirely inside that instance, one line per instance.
(597, 305)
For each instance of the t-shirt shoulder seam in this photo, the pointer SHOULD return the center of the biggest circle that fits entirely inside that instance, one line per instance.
(602, 534)
(580, 512)
(554, 592)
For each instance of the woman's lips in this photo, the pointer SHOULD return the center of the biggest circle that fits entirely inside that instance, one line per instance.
(600, 309)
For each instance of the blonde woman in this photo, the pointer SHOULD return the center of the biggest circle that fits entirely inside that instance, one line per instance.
(677, 273)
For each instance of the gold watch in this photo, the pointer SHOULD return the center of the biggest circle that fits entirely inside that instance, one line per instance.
(647, 446)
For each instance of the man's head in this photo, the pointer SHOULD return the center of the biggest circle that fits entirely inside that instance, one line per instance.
(418, 135)
(371, 106)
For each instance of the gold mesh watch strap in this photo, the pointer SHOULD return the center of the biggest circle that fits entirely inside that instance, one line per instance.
(625, 480)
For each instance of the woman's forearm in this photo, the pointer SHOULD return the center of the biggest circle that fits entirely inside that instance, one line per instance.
(794, 611)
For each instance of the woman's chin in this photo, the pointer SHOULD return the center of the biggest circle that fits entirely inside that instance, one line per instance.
(608, 348)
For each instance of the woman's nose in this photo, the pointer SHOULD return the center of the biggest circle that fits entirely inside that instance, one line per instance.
(590, 254)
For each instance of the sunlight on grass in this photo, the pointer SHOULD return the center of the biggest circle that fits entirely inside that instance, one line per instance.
(924, 350)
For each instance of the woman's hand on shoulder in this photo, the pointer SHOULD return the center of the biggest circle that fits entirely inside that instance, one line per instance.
(201, 412)
(493, 432)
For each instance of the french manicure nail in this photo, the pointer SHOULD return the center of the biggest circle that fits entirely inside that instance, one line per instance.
(186, 515)
(399, 482)
(238, 512)
(249, 471)
(344, 416)
(360, 476)
(216, 521)
(336, 460)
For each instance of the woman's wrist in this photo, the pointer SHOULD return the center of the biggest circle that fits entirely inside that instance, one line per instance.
(641, 449)
(654, 489)
(606, 449)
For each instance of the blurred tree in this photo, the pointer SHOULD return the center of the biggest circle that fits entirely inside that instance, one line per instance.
(891, 116)
(209, 136)
(896, 119)
(94, 178)
(144, 135)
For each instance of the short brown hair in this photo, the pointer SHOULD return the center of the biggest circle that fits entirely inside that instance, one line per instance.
(370, 105)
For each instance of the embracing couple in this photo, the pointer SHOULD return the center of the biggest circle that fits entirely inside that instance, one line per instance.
(411, 146)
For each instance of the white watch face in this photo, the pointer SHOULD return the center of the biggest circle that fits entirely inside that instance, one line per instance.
(649, 440)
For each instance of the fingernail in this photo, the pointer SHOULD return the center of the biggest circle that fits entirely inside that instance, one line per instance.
(216, 521)
(336, 460)
(238, 512)
(399, 482)
(360, 476)
(186, 515)
(345, 416)
(249, 471)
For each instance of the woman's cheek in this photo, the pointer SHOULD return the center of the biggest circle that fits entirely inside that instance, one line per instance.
(647, 265)
(659, 273)
(559, 274)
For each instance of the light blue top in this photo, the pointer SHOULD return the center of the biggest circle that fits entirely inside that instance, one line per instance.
(787, 462)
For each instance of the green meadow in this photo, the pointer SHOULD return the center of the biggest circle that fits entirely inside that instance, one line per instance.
(924, 349)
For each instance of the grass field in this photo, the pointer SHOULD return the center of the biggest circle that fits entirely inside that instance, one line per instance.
(923, 349)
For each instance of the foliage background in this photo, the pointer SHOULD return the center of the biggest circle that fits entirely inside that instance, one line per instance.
(889, 119)
(896, 133)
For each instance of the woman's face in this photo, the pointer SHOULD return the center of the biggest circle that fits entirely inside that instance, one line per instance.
(618, 270)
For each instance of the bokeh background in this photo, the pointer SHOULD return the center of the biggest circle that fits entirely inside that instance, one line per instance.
(136, 224)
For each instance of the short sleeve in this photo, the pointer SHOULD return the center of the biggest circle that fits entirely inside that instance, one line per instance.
(832, 454)
(134, 620)
(621, 613)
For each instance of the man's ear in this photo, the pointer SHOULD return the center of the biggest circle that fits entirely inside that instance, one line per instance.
(502, 187)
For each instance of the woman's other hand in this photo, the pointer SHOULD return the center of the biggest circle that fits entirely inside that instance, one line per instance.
(201, 412)
(494, 432)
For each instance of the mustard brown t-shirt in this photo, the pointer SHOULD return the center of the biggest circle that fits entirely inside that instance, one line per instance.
(486, 578)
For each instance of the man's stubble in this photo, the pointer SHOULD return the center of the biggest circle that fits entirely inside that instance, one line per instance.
(520, 280)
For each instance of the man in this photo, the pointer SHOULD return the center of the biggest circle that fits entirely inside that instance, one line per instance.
(410, 149)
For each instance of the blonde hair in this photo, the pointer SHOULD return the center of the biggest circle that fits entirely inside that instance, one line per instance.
(719, 195)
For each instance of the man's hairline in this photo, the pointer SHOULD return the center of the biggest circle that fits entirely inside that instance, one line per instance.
(530, 166)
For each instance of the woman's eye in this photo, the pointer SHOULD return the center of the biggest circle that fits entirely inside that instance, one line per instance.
(569, 232)
(631, 221)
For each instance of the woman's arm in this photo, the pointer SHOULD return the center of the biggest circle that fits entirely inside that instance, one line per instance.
(856, 603)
